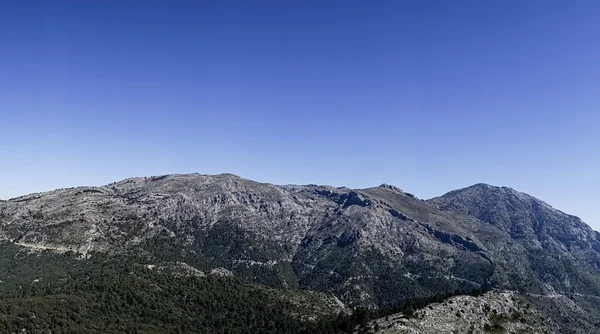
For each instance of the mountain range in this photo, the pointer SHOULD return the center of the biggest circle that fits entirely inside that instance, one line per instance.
(321, 250)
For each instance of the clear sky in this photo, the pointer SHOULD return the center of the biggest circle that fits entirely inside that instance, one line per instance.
(427, 95)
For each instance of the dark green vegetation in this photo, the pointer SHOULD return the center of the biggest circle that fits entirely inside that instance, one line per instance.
(63, 294)
(42, 292)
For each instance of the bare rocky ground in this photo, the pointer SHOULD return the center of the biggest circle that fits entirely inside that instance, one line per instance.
(495, 312)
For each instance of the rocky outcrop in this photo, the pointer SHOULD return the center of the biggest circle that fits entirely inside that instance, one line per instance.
(495, 312)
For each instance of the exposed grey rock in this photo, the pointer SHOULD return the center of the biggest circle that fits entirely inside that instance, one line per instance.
(178, 269)
(391, 187)
(495, 312)
(221, 272)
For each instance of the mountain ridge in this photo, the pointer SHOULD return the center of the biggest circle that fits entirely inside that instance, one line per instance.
(227, 174)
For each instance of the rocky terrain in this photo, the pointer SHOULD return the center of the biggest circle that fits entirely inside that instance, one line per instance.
(495, 312)
(366, 247)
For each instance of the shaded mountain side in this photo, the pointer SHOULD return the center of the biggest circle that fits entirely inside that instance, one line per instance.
(367, 247)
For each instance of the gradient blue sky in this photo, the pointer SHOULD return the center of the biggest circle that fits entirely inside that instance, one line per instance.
(428, 95)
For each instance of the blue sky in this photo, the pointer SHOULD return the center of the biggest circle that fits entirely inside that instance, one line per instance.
(428, 95)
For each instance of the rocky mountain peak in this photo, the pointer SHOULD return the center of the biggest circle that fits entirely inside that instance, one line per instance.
(391, 187)
(484, 188)
(524, 217)
(471, 200)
